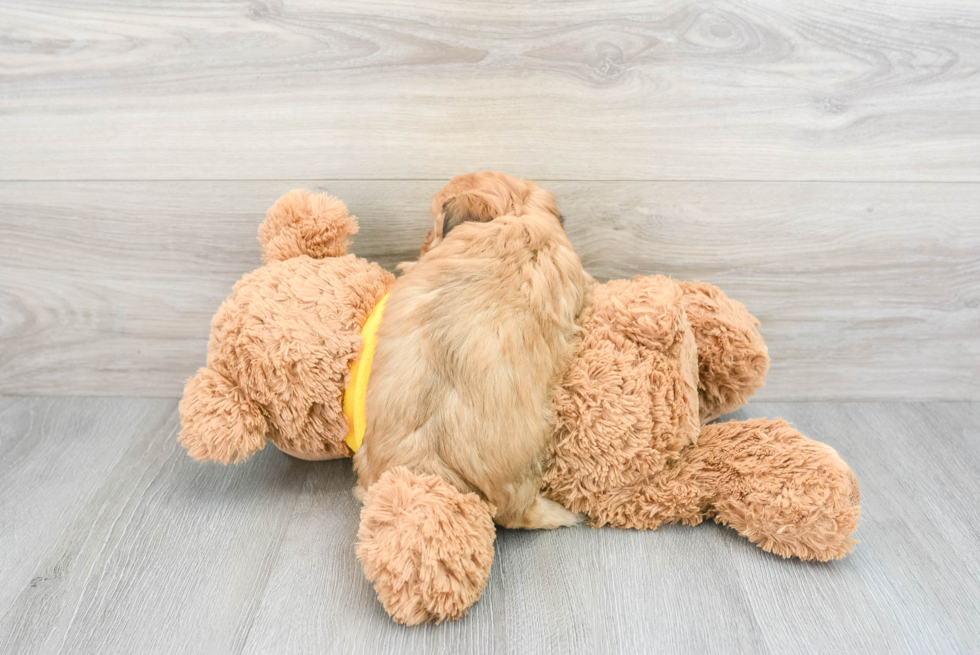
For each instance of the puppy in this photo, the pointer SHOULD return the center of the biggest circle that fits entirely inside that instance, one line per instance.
(472, 341)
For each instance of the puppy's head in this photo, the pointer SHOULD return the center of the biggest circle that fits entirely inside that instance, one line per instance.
(482, 197)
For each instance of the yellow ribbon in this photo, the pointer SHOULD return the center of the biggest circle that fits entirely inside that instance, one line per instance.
(355, 396)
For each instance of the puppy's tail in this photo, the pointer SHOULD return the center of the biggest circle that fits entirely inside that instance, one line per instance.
(426, 547)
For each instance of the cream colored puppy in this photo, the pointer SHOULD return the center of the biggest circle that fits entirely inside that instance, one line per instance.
(471, 343)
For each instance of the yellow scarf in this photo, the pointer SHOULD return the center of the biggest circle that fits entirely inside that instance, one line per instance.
(355, 395)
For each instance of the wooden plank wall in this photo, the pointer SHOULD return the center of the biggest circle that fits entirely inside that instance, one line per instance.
(818, 160)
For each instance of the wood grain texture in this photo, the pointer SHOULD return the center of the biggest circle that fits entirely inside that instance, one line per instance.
(865, 291)
(154, 553)
(94, 581)
(674, 89)
(54, 455)
(917, 469)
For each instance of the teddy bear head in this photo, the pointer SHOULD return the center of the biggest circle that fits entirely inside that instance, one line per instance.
(281, 345)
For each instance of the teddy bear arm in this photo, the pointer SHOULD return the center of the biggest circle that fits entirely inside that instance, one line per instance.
(732, 356)
(219, 422)
(627, 408)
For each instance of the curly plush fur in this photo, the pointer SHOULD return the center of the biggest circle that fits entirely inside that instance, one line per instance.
(792, 496)
(281, 345)
(302, 223)
(628, 404)
(426, 546)
(732, 357)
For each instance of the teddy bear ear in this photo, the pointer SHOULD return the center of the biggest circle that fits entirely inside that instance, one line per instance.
(304, 223)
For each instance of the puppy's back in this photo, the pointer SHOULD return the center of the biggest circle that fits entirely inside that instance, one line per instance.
(472, 342)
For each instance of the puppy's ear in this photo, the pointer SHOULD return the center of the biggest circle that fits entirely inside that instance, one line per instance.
(466, 207)
(427, 244)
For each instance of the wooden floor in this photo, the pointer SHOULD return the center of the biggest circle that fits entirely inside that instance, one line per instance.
(114, 541)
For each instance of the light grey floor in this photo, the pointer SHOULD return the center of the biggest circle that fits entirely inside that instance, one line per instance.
(113, 541)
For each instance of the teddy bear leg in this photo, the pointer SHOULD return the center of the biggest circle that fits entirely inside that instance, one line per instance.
(426, 547)
(732, 357)
(792, 496)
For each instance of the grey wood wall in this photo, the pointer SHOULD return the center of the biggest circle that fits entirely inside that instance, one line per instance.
(818, 160)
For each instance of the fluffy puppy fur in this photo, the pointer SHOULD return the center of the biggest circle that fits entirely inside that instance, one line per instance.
(481, 197)
(473, 340)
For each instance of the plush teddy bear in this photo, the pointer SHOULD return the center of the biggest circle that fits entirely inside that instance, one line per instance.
(282, 344)
(656, 360)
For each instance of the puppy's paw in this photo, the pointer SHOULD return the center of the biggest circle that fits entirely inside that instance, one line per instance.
(546, 514)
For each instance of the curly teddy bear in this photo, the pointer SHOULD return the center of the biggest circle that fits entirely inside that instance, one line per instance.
(633, 446)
